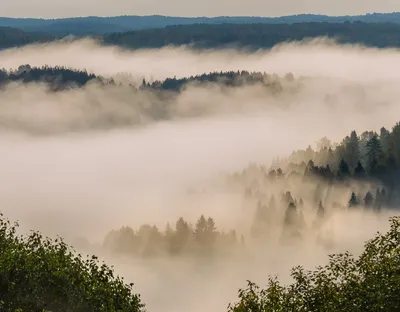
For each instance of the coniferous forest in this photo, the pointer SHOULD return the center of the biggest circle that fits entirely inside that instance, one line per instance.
(182, 185)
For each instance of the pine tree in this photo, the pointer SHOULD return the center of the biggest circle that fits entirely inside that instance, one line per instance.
(378, 200)
(200, 231)
(353, 202)
(181, 236)
(291, 215)
(374, 152)
(272, 203)
(344, 170)
(260, 221)
(359, 171)
(353, 150)
(368, 200)
(211, 232)
(320, 211)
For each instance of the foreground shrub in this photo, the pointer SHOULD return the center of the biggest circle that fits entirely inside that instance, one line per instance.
(38, 274)
(370, 282)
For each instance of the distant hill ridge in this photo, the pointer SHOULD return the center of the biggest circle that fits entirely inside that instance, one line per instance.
(95, 25)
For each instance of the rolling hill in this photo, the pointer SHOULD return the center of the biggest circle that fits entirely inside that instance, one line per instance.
(94, 25)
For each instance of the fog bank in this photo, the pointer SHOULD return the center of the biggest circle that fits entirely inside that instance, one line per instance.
(108, 159)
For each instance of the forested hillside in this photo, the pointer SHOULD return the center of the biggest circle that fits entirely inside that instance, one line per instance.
(13, 37)
(256, 36)
(366, 166)
(93, 25)
(203, 36)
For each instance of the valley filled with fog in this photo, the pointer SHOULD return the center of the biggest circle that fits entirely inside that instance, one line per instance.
(112, 167)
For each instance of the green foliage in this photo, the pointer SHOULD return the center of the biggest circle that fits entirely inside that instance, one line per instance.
(38, 274)
(369, 283)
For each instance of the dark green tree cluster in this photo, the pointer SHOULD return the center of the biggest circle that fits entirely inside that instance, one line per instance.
(370, 156)
(183, 239)
(60, 78)
(38, 274)
(57, 78)
(368, 283)
(228, 79)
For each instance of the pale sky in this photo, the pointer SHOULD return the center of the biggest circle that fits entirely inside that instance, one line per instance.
(68, 8)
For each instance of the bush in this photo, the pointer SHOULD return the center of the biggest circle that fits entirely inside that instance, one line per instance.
(38, 274)
(370, 282)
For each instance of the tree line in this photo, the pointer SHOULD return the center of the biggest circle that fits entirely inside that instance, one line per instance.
(96, 25)
(285, 213)
(183, 238)
(370, 156)
(256, 36)
(206, 36)
(226, 79)
(59, 78)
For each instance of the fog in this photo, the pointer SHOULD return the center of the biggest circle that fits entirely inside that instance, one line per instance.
(63, 174)
(319, 56)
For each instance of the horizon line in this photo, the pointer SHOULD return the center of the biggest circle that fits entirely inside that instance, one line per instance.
(205, 17)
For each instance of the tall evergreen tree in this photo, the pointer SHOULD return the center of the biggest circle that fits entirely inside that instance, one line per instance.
(353, 202)
(344, 170)
(353, 150)
(359, 171)
(374, 152)
(368, 200)
(320, 211)
(378, 200)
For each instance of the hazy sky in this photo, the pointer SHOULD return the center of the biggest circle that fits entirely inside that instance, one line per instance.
(65, 8)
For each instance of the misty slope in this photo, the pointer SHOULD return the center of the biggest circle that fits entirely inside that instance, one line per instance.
(99, 25)
(256, 36)
(364, 170)
(141, 103)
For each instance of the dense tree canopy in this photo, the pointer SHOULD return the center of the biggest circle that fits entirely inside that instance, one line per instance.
(38, 274)
(368, 283)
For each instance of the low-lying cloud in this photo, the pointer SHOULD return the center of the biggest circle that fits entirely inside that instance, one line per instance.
(112, 156)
